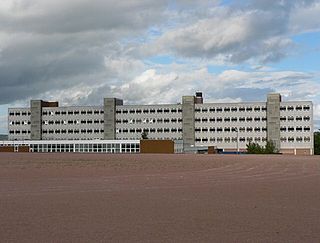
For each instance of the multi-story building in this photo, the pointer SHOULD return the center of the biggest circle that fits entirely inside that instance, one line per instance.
(228, 126)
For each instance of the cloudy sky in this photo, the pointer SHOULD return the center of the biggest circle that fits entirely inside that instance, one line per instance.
(155, 51)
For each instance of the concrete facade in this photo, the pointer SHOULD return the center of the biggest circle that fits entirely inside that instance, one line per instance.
(188, 121)
(36, 119)
(273, 119)
(110, 105)
(226, 126)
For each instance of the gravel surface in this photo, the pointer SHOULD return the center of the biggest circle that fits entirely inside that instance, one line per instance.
(159, 198)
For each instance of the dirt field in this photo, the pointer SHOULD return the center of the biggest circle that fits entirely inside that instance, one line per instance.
(157, 198)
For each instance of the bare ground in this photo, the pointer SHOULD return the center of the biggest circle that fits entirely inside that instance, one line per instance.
(159, 198)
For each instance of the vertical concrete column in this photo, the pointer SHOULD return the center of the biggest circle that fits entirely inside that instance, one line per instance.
(273, 119)
(110, 105)
(36, 119)
(188, 121)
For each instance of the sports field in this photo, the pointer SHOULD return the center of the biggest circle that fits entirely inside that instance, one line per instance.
(159, 198)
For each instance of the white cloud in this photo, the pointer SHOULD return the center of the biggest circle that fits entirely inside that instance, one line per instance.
(305, 18)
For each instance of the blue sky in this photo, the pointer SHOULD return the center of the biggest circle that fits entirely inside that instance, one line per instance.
(78, 52)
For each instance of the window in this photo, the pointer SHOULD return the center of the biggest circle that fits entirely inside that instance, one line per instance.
(306, 129)
(227, 109)
(290, 108)
(212, 109)
(234, 109)
(283, 129)
(249, 109)
(306, 118)
(283, 139)
(306, 108)
(257, 109)
(283, 108)
(290, 129)
(299, 108)
(291, 139)
(257, 119)
(249, 119)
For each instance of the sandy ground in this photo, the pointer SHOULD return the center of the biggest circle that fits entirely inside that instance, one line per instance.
(157, 198)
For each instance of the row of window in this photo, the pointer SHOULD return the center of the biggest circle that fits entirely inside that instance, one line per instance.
(73, 131)
(86, 148)
(163, 110)
(19, 122)
(76, 122)
(230, 109)
(147, 111)
(250, 139)
(149, 130)
(162, 120)
(20, 113)
(298, 118)
(297, 139)
(77, 112)
(19, 132)
(292, 129)
(231, 139)
(146, 120)
(297, 108)
(232, 119)
(231, 129)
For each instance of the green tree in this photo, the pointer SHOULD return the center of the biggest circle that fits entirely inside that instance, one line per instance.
(255, 148)
(270, 148)
(317, 142)
(144, 135)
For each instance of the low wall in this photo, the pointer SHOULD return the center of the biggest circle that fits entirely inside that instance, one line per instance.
(156, 146)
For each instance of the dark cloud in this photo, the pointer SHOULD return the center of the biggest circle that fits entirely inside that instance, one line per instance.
(51, 45)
